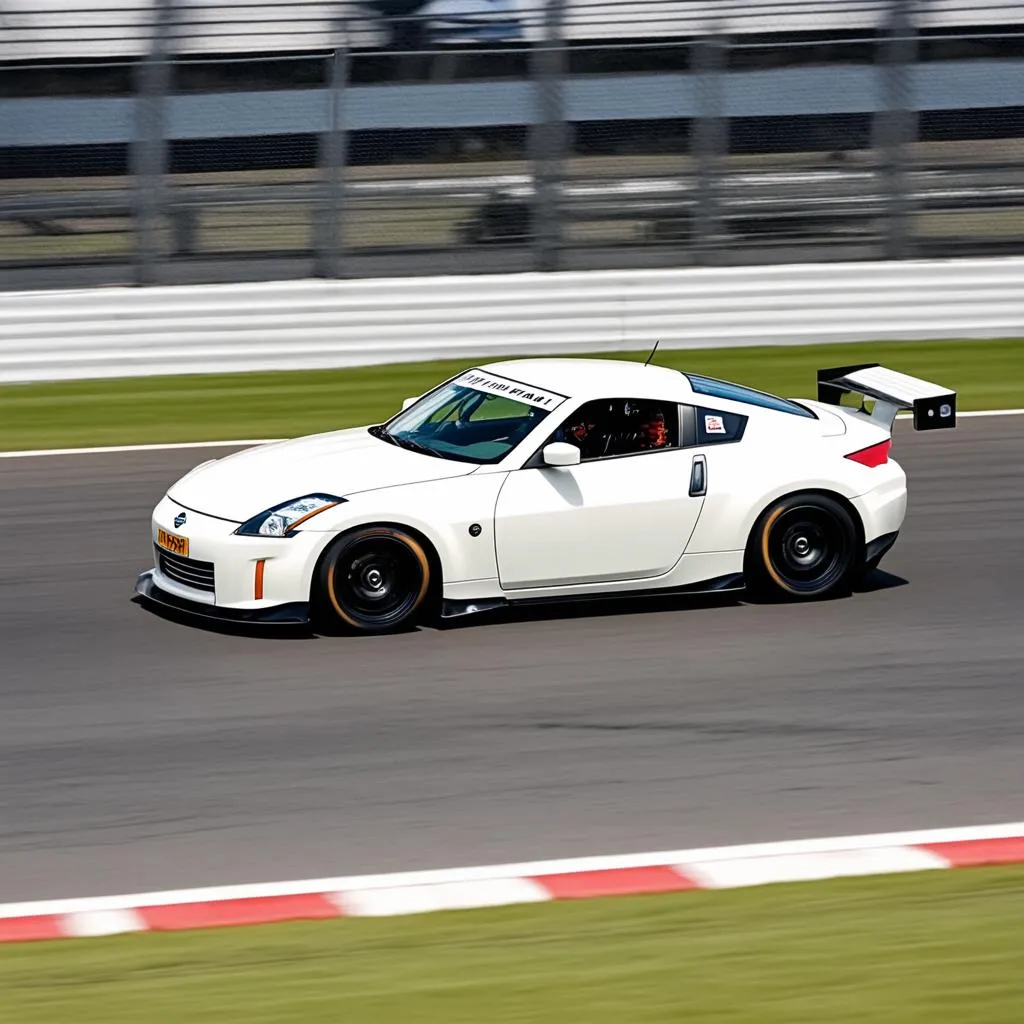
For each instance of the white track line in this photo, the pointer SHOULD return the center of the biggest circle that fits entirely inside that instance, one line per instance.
(114, 449)
(978, 414)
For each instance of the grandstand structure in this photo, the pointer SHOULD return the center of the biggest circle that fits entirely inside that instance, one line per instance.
(105, 29)
(193, 140)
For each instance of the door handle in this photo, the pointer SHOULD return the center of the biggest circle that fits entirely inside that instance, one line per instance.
(699, 477)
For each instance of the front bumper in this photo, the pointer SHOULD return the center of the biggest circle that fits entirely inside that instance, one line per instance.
(293, 613)
(221, 573)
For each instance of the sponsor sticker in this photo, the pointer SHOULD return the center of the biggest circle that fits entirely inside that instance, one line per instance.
(493, 385)
(714, 425)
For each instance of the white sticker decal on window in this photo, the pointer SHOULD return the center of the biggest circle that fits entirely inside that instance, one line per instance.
(714, 425)
(510, 389)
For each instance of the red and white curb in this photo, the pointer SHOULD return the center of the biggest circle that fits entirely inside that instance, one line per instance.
(503, 885)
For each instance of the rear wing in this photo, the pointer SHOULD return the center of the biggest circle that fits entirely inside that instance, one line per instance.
(934, 407)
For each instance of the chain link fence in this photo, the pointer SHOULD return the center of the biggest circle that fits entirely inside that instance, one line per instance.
(164, 141)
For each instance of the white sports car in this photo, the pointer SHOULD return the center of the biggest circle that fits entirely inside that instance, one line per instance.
(544, 479)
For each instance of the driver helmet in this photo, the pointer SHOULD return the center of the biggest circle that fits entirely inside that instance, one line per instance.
(654, 429)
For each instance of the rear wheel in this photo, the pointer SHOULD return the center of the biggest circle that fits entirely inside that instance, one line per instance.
(373, 580)
(803, 547)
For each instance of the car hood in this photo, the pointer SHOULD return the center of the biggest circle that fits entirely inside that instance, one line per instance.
(342, 462)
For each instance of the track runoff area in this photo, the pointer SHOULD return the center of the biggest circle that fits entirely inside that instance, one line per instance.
(404, 893)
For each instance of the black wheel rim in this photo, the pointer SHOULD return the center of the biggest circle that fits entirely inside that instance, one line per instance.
(378, 580)
(808, 548)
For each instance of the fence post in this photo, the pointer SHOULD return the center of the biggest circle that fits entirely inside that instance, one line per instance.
(328, 227)
(148, 150)
(548, 136)
(710, 139)
(896, 126)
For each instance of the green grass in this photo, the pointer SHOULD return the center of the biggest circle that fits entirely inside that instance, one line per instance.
(929, 947)
(987, 374)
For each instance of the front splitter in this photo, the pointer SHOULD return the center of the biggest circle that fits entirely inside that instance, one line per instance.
(295, 613)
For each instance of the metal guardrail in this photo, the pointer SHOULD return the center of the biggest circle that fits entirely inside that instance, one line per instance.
(272, 113)
(317, 324)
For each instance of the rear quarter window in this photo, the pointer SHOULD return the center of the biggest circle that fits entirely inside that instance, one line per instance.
(738, 393)
(716, 427)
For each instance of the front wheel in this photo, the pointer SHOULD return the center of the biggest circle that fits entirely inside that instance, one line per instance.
(373, 580)
(803, 547)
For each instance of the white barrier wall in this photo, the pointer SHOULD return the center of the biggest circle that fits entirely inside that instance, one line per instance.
(121, 332)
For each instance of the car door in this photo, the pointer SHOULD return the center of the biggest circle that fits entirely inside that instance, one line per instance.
(625, 512)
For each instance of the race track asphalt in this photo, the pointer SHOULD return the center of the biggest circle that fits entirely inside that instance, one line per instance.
(137, 753)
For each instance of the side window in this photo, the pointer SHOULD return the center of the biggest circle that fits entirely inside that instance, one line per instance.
(717, 427)
(620, 426)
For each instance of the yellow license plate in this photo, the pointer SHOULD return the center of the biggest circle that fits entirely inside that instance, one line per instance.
(172, 542)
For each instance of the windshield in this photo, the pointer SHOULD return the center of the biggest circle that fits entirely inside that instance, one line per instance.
(478, 417)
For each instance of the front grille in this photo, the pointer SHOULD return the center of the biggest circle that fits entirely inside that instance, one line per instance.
(188, 571)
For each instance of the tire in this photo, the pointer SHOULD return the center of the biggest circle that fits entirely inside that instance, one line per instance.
(803, 547)
(373, 580)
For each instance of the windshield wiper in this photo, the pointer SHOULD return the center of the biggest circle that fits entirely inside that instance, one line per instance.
(405, 442)
(415, 446)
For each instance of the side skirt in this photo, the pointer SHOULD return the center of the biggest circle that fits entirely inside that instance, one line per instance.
(718, 585)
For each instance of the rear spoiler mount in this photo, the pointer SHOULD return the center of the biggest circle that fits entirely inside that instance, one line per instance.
(933, 406)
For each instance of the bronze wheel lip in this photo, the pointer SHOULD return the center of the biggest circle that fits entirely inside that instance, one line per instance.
(363, 620)
(805, 548)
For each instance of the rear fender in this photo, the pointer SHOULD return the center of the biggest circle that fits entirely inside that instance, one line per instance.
(729, 515)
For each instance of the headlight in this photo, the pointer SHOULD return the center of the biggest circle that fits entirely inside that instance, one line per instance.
(281, 520)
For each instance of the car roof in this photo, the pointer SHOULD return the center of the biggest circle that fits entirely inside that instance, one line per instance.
(597, 378)
(591, 378)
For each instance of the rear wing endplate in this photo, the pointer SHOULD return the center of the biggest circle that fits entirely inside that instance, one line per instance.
(934, 407)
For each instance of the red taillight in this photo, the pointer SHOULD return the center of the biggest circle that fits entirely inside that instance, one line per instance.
(875, 455)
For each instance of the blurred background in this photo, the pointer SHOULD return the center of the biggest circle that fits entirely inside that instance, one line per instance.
(190, 141)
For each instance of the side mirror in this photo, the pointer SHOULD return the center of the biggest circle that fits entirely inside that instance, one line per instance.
(408, 402)
(558, 453)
